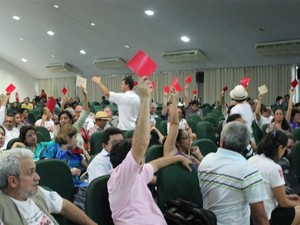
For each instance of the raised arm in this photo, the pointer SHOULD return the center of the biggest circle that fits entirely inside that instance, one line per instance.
(141, 136)
(186, 95)
(223, 104)
(3, 108)
(165, 105)
(169, 146)
(290, 106)
(258, 108)
(102, 87)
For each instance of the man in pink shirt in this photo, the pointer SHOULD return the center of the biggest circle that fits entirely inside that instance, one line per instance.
(130, 199)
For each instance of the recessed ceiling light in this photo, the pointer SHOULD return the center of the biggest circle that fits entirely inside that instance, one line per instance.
(127, 46)
(149, 12)
(51, 33)
(16, 18)
(185, 39)
(56, 6)
(24, 60)
(93, 24)
(21, 39)
(82, 52)
(53, 56)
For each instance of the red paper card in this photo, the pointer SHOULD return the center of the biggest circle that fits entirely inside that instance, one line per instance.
(51, 103)
(167, 89)
(142, 64)
(10, 88)
(194, 92)
(294, 83)
(153, 85)
(225, 88)
(64, 91)
(245, 81)
(188, 79)
(176, 85)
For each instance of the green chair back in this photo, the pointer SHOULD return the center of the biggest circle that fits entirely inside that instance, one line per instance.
(193, 125)
(257, 133)
(31, 117)
(12, 141)
(96, 142)
(174, 182)
(296, 134)
(264, 129)
(205, 145)
(158, 121)
(44, 131)
(97, 204)
(211, 120)
(205, 130)
(163, 127)
(154, 152)
(295, 158)
(128, 134)
(195, 118)
(56, 175)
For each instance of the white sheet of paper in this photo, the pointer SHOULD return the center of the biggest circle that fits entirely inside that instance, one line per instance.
(81, 81)
(262, 89)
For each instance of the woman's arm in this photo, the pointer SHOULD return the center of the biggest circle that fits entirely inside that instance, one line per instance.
(283, 199)
(290, 106)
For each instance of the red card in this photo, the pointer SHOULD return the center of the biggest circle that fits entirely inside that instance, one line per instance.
(153, 85)
(142, 64)
(194, 92)
(225, 88)
(245, 81)
(188, 79)
(64, 91)
(51, 103)
(10, 88)
(167, 89)
(294, 83)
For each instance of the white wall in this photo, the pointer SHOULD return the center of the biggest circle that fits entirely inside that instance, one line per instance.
(26, 85)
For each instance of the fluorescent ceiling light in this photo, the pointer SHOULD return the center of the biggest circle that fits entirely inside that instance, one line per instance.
(82, 52)
(51, 33)
(56, 6)
(185, 39)
(24, 60)
(21, 39)
(149, 12)
(127, 46)
(93, 24)
(16, 18)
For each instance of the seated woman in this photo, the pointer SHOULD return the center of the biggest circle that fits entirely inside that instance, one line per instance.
(62, 149)
(178, 141)
(282, 209)
(29, 140)
(2, 137)
(295, 118)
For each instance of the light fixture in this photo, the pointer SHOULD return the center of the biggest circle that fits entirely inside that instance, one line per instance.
(24, 60)
(53, 56)
(16, 17)
(149, 12)
(93, 24)
(127, 46)
(56, 6)
(185, 39)
(51, 33)
(21, 39)
(82, 52)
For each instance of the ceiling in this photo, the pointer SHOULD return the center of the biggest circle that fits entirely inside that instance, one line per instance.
(226, 31)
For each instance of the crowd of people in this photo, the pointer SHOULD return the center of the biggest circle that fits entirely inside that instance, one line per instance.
(240, 182)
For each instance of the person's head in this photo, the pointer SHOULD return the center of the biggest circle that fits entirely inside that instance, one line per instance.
(181, 112)
(286, 98)
(239, 93)
(18, 119)
(183, 140)
(297, 105)
(235, 117)
(253, 104)
(278, 115)
(273, 145)
(24, 113)
(153, 108)
(26, 101)
(108, 111)
(9, 121)
(195, 105)
(15, 105)
(101, 119)
(2, 136)
(110, 135)
(65, 117)
(74, 104)
(169, 106)
(119, 151)
(78, 111)
(46, 111)
(127, 84)
(279, 100)
(266, 111)
(28, 135)
(296, 115)
(67, 135)
(235, 136)
(18, 177)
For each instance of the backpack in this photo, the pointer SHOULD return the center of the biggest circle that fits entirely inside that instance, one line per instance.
(182, 212)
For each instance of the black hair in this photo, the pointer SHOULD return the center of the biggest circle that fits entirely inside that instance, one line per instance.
(279, 98)
(108, 132)
(233, 117)
(119, 151)
(128, 80)
(270, 143)
(23, 132)
(182, 110)
(195, 102)
(3, 129)
(294, 111)
(67, 113)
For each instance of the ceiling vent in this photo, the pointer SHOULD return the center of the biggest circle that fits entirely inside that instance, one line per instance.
(184, 56)
(60, 67)
(110, 63)
(279, 48)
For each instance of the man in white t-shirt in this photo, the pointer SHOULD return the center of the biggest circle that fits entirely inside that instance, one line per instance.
(128, 102)
(46, 121)
(22, 201)
(11, 131)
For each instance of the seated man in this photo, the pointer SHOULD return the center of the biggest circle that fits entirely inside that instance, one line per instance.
(22, 201)
(130, 199)
(231, 184)
(101, 164)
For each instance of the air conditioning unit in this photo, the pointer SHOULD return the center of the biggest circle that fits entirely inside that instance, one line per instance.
(184, 56)
(110, 63)
(291, 47)
(60, 67)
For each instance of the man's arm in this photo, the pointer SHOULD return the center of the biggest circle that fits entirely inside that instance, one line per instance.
(258, 213)
(104, 89)
(73, 213)
(3, 108)
(166, 161)
(165, 105)
(186, 95)
(141, 136)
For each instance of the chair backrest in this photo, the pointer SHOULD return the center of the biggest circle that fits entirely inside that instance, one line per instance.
(128, 134)
(154, 152)
(44, 131)
(96, 142)
(56, 175)
(97, 204)
(163, 127)
(31, 117)
(211, 119)
(257, 133)
(195, 118)
(206, 130)
(205, 145)
(264, 129)
(296, 134)
(193, 125)
(295, 158)
(158, 121)
(12, 141)
(175, 182)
